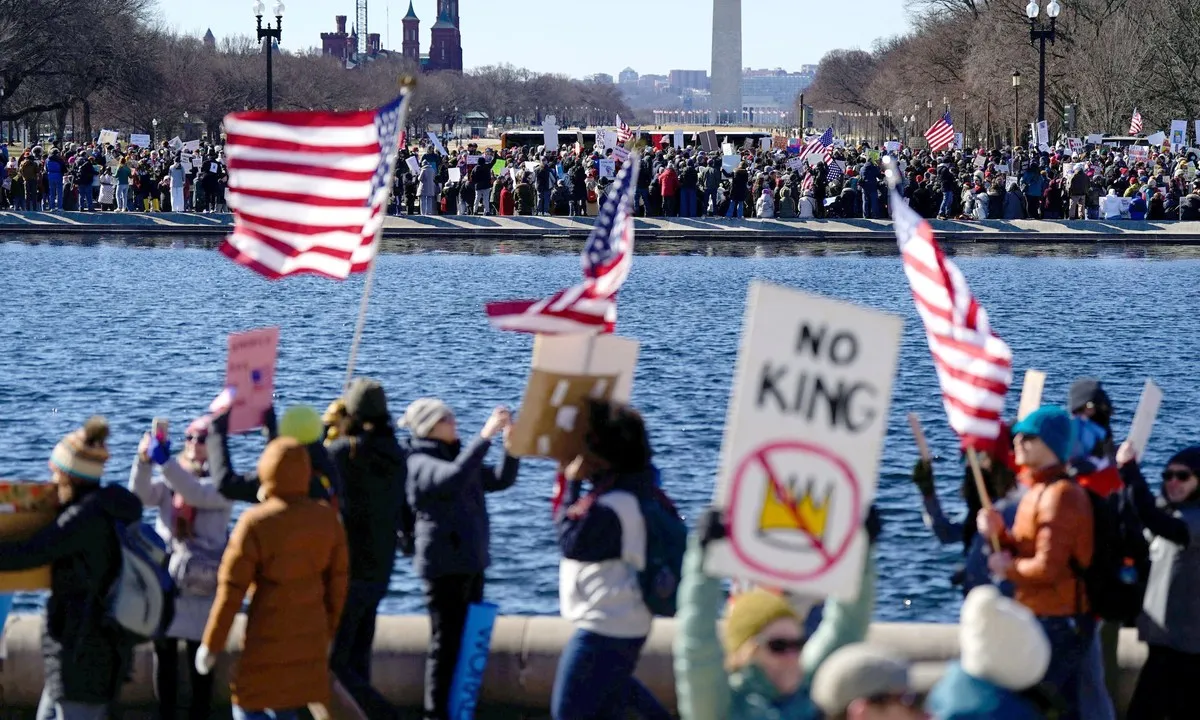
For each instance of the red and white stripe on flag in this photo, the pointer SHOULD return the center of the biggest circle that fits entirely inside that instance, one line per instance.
(974, 366)
(1135, 125)
(941, 135)
(308, 189)
(574, 311)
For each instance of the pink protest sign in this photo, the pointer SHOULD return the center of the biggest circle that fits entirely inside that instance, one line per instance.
(250, 371)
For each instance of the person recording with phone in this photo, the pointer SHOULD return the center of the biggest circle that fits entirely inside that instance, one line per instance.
(193, 519)
(447, 481)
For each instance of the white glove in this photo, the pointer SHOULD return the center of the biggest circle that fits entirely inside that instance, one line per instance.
(205, 660)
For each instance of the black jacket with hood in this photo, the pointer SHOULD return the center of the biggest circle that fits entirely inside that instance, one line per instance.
(87, 656)
(373, 469)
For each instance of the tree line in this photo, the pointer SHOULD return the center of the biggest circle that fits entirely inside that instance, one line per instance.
(1110, 57)
(106, 64)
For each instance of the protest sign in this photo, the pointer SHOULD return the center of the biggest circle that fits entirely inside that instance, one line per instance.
(142, 141)
(1178, 134)
(779, 142)
(1197, 123)
(197, 162)
(727, 148)
(472, 660)
(797, 163)
(498, 167)
(1138, 153)
(799, 463)
(980, 161)
(765, 143)
(250, 371)
(958, 141)
(566, 371)
(550, 132)
(530, 166)
(437, 144)
(1075, 145)
(708, 140)
(192, 146)
(108, 137)
(473, 160)
(729, 163)
(1157, 139)
(176, 144)
(1095, 139)
(1031, 393)
(892, 146)
(608, 169)
(679, 139)
(1143, 418)
(620, 153)
(413, 166)
(455, 174)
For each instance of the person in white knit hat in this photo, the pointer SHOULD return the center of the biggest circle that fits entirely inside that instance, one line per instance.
(1004, 653)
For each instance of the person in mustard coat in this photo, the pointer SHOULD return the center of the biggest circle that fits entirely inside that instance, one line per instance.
(292, 551)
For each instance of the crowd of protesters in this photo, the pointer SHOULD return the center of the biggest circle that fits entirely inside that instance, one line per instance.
(108, 178)
(338, 497)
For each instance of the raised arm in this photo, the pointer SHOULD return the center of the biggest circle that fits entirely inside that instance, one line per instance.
(243, 488)
(507, 477)
(66, 536)
(142, 483)
(195, 493)
(438, 478)
(1158, 521)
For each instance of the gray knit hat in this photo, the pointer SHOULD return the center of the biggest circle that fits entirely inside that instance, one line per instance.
(423, 415)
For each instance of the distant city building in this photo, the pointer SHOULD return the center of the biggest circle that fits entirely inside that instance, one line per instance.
(210, 40)
(410, 47)
(808, 70)
(601, 79)
(340, 44)
(777, 85)
(688, 80)
(653, 82)
(628, 76)
(445, 47)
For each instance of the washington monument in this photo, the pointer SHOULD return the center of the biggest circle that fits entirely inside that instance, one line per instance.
(727, 61)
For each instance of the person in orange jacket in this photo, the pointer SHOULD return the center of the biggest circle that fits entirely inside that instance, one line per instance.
(1052, 536)
(292, 550)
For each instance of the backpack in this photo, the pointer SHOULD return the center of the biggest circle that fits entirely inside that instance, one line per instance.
(141, 600)
(1116, 579)
(666, 541)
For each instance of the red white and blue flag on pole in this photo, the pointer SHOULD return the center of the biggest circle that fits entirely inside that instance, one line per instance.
(974, 366)
(941, 135)
(309, 190)
(824, 145)
(1135, 125)
(624, 134)
(591, 306)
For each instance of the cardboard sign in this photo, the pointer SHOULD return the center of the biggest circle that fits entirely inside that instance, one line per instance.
(1075, 145)
(142, 141)
(727, 148)
(1031, 393)
(1143, 418)
(568, 370)
(1138, 154)
(799, 463)
(250, 370)
(979, 161)
(708, 140)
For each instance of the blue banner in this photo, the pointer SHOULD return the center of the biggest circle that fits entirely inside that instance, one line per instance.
(472, 660)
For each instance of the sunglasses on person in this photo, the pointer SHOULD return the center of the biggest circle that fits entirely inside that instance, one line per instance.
(908, 700)
(783, 646)
(1177, 475)
(195, 438)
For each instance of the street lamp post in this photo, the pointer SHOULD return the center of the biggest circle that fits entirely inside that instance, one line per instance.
(1040, 33)
(929, 107)
(1016, 107)
(965, 131)
(153, 132)
(268, 33)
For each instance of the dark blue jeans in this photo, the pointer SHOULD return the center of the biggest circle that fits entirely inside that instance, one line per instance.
(687, 198)
(947, 203)
(1070, 638)
(595, 680)
(350, 660)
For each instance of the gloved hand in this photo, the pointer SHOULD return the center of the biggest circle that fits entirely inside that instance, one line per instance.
(270, 423)
(873, 524)
(160, 452)
(205, 660)
(922, 477)
(711, 526)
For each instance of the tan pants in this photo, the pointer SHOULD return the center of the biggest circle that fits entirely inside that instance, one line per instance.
(1077, 202)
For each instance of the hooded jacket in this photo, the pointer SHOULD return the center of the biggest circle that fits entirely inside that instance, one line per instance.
(373, 471)
(86, 655)
(446, 486)
(292, 551)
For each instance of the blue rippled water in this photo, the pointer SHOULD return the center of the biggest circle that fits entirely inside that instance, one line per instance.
(137, 333)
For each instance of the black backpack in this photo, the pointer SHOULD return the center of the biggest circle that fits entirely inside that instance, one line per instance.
(1116, 579)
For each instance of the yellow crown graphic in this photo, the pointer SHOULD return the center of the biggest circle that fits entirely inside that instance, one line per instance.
(807, 514)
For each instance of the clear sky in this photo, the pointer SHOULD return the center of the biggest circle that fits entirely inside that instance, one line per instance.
(579, 37)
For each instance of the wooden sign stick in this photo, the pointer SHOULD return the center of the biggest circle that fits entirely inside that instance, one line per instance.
(1143, 418)
(1031, 393)
(914, 422)
(981, 488)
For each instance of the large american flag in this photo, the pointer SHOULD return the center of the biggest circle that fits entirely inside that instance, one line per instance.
(941, 135)
(309, 190)
(591, 306)
(624, 134)
(1135, 125)
(974, 366)
(823, 142)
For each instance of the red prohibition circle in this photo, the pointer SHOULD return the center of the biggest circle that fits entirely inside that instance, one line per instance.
(759, 455)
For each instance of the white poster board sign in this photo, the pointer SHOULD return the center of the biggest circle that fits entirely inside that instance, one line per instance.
(176, 144)
(108, 137)
(413, 166)
(729, 163)
(1143, 418)
(437, 144)
(1095, 139)
(1157, 139)
(139, 139)
(807, 418)
(455, 174)
(678, 140)
(550, 133)
(1075, 145)
(608, 169)
(192, 146)
(893, 146)
(727, 148)
(1178, 134)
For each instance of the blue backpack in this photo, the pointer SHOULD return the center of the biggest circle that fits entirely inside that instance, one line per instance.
(141, 600)
(666, 542)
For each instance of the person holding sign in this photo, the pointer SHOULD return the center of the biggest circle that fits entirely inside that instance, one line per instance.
(1051, 537)
(603, 537)
(763, 666)
(447, 480)
(1170, 620)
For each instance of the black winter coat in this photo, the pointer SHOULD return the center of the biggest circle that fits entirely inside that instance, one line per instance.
(87, 656)
(373, 471)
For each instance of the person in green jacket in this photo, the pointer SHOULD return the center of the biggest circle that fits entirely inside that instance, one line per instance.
(763, 667)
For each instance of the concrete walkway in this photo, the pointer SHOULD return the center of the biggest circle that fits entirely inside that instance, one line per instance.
(461, 227)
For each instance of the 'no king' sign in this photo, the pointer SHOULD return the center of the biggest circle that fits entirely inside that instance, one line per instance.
(807, 419)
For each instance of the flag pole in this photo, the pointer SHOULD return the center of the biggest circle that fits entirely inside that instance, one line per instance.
(406, 81)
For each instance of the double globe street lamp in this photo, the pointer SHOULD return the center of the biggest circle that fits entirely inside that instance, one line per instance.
(269, 33)
(1040, 32)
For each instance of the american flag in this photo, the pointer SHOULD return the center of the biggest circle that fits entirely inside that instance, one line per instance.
(591, 306)
(308, 190)
(941, 135)
(1135, 125)
(818, 144)
(624, 134)
(974, 366)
